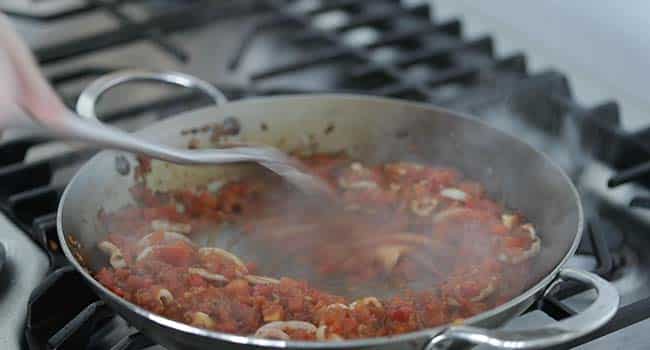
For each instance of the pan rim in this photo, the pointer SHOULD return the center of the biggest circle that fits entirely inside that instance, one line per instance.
(411, 336)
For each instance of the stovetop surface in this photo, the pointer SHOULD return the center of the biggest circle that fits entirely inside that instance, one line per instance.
(210, 49)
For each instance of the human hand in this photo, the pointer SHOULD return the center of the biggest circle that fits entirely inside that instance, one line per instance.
(24, 91)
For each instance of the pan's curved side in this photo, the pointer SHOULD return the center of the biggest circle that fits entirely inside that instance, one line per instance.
(370, 128)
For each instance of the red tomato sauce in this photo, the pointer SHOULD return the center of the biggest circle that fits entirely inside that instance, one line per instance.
(447, 249)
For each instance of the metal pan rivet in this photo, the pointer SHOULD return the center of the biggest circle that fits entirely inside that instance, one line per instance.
(231, 125)
(122, 165)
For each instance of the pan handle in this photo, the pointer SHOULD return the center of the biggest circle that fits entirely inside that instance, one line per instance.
(90, 95)
(592, 318)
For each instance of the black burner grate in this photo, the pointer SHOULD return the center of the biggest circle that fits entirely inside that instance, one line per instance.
(189, 14)
(428, 61)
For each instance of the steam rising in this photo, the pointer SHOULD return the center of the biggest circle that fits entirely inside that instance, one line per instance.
(303, 236)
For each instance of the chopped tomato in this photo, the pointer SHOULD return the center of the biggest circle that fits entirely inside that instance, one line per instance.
(402, 314)
(295, 303)
(441, 177)
(517, 241)
(485, 205)
(196, 281)
(499, 229)
(209, 200)
(138, 282)
(178, 253)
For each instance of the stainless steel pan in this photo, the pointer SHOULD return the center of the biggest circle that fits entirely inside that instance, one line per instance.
(373, 129)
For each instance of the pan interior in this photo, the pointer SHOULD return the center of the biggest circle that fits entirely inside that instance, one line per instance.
(368, 129)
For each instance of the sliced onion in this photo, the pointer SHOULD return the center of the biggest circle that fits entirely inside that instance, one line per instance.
(509, 220)
(485, 292)
(529, 253)
(261, 279)
(164, 296)
(272, 333)
(424, 206)
(454, 193)
(450, 213)
(276, 329)
(321, 333)
(117, 261)
(203, 320)
(215, 277)
(367, 301)
(337, 306)
(164, 225)
(358, 185)
(531, 230)
(116, 258)
(389, 255)
(215, 186)
(167, 236)
(224, 254)
(144, 253)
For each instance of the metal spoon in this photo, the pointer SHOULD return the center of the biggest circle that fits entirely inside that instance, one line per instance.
(28, 101)
(69, 126)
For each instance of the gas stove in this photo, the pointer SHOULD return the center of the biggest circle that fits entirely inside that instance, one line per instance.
(265, 47)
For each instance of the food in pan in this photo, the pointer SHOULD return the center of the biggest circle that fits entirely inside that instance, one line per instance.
(435, 240)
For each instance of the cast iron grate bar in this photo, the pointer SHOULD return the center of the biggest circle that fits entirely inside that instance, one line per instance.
(154, 34)
(399, 89)
(53, 15)
(328, 54)
(635, 173)
(625, 316)
(601, 250)
(603, 135)
(14, 151)
(27, 206)
(515, 63)
(451, 28)
(554, 308)
(641, 202)
(75, 75)
(330, 5)
(248, 38)
(135, 341)
(195, 14)
(455, 74)
(417, 90)
(427, 55)
(325, 56)
(64, 12)
(28, 175)
(371, 19)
